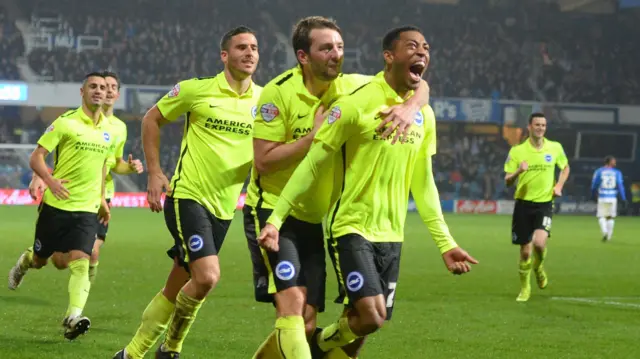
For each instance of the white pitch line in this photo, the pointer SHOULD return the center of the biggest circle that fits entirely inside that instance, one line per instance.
(593, 301)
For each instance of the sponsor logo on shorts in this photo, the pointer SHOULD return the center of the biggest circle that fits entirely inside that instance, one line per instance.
(195, 243)
(355, 281)
(285, 270)
(37, 245)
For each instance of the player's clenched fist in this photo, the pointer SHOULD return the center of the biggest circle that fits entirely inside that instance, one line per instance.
(523, 166)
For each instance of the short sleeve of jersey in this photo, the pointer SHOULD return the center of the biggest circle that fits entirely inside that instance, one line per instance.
(561, 158)
(178, 100)
(341, 123)
(270, 120)
(511, 164)
(430, 131)
(53, 135)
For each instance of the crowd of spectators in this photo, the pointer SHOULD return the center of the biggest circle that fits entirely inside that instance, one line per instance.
(520, 51)
(523, 51)
(11, 48)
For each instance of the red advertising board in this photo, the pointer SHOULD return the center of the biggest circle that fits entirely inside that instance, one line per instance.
(475, 206)
(21, 197)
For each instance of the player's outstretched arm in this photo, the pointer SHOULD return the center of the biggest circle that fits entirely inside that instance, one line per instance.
(425, 194)
(298, 186)
(403, 116)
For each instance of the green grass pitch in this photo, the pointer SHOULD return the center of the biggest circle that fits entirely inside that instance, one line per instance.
(591, 308)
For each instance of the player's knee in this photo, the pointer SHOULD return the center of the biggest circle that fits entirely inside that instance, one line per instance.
(310, 321)
(372, 317)
(95, 254)
(206, 281)
(290, 301)
(60, 261)
(371, 322)
(38, 262)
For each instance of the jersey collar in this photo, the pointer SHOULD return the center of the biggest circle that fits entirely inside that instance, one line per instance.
(89, 120)
(544, 145)
(224, 86)
(329, 94)
(388, 91)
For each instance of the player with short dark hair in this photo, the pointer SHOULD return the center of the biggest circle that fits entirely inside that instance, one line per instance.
(532, 163)
(366, 223)
(74, 198)
(291, 110)
(606, 184)
(115, 163)
(215, 159)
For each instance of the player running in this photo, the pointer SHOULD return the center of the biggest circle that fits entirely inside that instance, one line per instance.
(115, 164)
(215, 159)
(607, 183)
(366, 223)
(532, 163)
(290, 112)
(74, 198)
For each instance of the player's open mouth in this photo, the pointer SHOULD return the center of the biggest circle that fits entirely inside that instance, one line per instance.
(416, 70)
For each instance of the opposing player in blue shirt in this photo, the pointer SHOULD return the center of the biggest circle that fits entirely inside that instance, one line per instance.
(606, 184)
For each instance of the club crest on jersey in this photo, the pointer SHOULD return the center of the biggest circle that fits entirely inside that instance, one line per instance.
(269, 111)
(334, 115)
(419, 120)
(355, 281)
(175, 91)
(285, 270)
(106, 136)
(548, 158)
(195, 243)
(254, 111)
